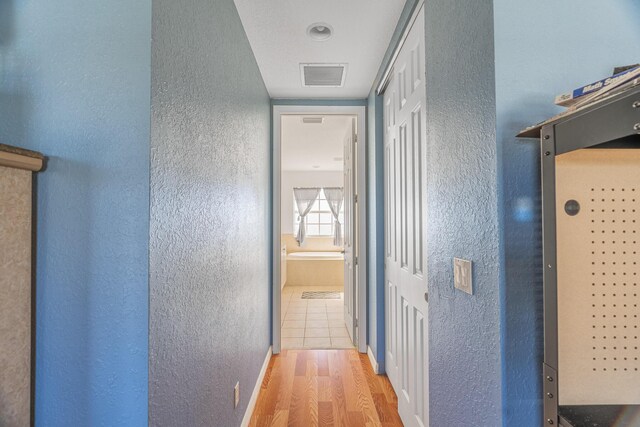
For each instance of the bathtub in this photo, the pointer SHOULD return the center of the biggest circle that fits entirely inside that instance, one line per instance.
(315, 269)
(316, 256)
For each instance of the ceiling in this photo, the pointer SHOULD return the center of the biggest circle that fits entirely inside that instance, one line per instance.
(305, 145)
(277, 30)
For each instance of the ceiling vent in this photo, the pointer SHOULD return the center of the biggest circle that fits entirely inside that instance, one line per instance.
(313, 120)
(323, 75)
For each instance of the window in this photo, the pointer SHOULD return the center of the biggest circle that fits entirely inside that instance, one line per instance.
(319, 219)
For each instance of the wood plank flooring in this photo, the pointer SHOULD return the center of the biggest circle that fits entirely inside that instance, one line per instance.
(324, 388)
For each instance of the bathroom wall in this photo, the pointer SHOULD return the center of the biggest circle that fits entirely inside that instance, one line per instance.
(210, 217)
(74, 85)
(311, 244)
(291, 179)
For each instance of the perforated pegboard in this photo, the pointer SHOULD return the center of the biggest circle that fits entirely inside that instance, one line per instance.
(598, 257)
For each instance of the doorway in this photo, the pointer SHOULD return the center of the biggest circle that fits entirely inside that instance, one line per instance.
(319, 266)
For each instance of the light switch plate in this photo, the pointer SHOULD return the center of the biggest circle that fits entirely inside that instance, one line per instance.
(462, 275)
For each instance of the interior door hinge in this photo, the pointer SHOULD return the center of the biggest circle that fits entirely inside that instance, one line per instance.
(355, 198)
(355, 260)
(356, 323)
(355, 138)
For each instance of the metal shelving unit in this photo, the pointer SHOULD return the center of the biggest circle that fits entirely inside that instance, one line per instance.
(590, 162)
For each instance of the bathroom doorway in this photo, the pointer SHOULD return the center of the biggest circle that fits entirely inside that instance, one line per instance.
(318, 180)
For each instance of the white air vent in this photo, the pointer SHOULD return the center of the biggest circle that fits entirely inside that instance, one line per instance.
(323, 75)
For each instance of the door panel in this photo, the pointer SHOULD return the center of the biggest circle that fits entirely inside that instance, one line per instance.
(406, 288)
(417, 178)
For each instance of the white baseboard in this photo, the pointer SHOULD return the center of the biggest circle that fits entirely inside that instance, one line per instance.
(373, 361)
(256, 391)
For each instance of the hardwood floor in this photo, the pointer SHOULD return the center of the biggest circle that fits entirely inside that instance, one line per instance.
(324, 388)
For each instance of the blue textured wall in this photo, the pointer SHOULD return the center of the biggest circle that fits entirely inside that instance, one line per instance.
(462, 182)
(209, 247)
(542, 49)
(375, 232)
(74, 84)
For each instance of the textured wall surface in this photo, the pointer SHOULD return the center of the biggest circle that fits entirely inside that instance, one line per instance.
(555, 47)
(75, 85)
(464, 330)
(375, 232)
(209, 248)
(15, 297)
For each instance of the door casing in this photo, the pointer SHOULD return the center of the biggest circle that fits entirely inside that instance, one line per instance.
(361, 220)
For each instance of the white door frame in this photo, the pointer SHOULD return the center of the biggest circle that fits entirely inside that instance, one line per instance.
(361, 221)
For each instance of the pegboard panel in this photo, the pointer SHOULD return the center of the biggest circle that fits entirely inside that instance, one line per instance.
(598, 256)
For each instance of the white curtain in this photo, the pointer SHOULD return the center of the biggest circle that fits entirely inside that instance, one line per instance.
(334, 197)
(305, 198)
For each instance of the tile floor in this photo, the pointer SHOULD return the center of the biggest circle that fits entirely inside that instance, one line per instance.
(313, 323)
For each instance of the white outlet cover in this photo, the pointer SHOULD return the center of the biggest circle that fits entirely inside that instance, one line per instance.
(462, 275)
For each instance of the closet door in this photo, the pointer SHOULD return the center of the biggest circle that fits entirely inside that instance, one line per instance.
(404, 176)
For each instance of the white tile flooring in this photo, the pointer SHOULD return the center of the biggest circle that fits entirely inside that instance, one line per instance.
(313, 323)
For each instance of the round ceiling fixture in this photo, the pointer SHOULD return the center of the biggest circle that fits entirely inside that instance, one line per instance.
(320, 31)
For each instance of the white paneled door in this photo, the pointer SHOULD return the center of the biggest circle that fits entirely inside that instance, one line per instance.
(350, 302)
(406, 309)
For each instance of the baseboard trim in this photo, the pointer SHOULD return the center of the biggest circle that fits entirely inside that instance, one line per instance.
(373, 361)
(256, 390)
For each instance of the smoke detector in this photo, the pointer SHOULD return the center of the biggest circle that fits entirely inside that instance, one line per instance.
(323, 75)
(320, 31)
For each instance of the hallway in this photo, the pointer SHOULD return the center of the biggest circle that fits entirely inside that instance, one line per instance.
(199, 168)
(327, 388)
